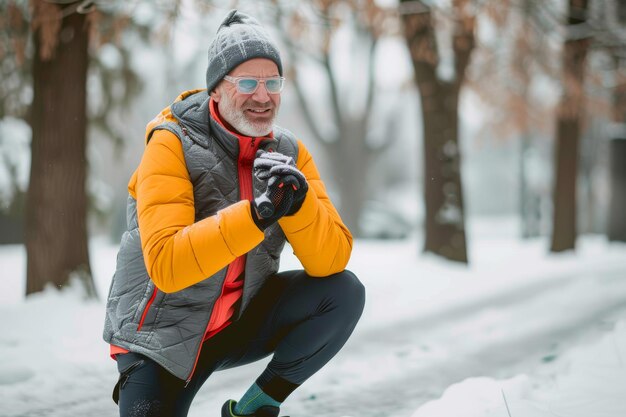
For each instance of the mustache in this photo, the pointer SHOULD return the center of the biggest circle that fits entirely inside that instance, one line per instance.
(258, 105)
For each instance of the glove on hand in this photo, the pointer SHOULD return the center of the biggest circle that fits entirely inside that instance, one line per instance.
(275, 202)
(265, 161)
(269, 164)
(300, 188)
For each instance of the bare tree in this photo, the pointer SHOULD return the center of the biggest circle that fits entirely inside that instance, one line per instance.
(62, 34)
(504, 80)
(445, 214)
(503, 74)
(570, 115)
(531, 56)
(56, 229)
(610, 37)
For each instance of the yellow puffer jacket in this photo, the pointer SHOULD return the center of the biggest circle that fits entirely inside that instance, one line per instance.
(180, 252)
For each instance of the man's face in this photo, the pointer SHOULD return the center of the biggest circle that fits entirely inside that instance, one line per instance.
(250, 114)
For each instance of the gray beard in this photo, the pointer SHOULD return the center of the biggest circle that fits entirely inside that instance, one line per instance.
(237, 119)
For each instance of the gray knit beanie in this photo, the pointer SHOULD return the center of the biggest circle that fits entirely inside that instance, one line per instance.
(239, 38)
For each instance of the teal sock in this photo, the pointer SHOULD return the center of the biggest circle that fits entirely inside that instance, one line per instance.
(254, 399)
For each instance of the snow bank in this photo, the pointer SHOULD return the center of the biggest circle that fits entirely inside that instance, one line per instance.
(591, 382)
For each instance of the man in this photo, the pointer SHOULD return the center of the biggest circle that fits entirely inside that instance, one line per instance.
(196, 290)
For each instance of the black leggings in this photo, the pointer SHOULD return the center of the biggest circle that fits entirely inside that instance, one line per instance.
(303, 321)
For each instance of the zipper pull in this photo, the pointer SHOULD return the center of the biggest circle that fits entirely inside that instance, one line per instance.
(252, 143)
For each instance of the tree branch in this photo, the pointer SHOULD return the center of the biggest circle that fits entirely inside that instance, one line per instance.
(308, 115)
(334, 92)
(291, 49)
(371, 80)
(330, 74)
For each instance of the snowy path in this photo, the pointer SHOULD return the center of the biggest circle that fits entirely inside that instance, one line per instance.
(408, 377)
(381, 373)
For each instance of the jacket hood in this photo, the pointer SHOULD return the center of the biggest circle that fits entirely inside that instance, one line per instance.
(166, 115)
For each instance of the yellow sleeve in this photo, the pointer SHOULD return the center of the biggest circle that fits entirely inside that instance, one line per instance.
(178, 251)
(319, 238)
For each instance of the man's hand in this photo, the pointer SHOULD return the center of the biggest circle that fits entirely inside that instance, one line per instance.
(275, 202)
(270, 164)
(265, 161)
(300, 187)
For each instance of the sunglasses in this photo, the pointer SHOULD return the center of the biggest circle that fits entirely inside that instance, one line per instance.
(248, 85)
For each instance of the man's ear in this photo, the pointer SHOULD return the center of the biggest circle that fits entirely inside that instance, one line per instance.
(216, 95)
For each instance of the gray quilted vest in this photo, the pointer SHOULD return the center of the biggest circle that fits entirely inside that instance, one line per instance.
(174, 325)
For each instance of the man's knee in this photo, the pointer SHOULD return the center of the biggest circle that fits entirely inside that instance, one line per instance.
(350, 291)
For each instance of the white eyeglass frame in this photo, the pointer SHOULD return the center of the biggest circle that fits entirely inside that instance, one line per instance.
(259, 80)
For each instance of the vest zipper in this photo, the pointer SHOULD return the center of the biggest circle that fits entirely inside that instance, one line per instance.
(244, 170)
(145, 310)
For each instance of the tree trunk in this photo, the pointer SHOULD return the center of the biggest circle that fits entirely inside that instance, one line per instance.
(56, 229)
(530, 201)
(445, 225)
(529, 204)
(564, 216)
(617, 208)
(568, 134)
(443, 191)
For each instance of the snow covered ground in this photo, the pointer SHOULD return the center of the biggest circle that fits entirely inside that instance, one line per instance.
(590, 382)
(518, 324)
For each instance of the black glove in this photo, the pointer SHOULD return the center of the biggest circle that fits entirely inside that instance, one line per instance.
(275, 202)
(300, 188)
(270, 164)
